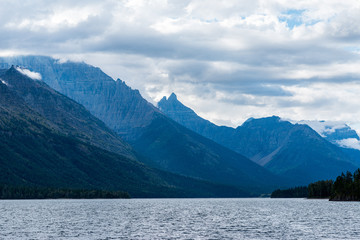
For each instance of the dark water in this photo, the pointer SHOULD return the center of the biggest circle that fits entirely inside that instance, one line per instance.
(179, 219)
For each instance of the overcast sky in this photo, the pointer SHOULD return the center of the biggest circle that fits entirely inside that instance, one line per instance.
(228, 60)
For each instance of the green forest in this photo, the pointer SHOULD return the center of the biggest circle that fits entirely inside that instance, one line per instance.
(23, 192)
(297, 192)
(346, 187)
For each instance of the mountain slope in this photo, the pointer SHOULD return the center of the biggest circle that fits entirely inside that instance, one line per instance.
(37, 150)
(339, 134)
(190, 154)
(292, 151)
(162, 142)
(65, 115)
(116, 104)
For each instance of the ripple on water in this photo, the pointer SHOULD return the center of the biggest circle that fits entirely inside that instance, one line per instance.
(179, 219)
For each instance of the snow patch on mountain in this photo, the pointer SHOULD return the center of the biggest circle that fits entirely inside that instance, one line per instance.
(4, 82)
(30, 74)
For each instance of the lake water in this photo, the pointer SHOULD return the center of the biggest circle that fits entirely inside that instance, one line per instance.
(179, 219)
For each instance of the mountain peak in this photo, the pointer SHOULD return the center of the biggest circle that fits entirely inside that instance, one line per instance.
(12, 69)
(172, 97)
(15, 70)
(164, 99)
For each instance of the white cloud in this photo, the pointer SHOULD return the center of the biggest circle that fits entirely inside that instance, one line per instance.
(228, 60)
(30, 74)
(323, 127)
(349, 143)
(59, 19)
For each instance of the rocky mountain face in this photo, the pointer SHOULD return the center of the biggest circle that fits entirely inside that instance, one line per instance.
(162, 142)
(64, 114)
(290, 150)
(49, 140)
(116, 104)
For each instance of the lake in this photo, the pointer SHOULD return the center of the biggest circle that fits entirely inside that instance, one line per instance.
(251, 218)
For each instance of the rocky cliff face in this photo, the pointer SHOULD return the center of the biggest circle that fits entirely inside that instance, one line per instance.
(291, 150)
(65, 115)
(120, 107)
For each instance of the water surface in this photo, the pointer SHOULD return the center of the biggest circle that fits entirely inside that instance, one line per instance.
(179, 219)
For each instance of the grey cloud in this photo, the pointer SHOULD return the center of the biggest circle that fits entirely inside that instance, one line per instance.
(249, 82)
(256, 89)
(151, 44)
(317, 103)
(187, 59)
(64, 40)
(242, 101)
(92, 36)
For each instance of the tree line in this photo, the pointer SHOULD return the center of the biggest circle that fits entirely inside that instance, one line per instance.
(25, 192)
(346, 187)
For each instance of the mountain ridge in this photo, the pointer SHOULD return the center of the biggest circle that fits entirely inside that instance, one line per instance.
(69, 117)
(270, 142)
(36, 152)
(146, 128)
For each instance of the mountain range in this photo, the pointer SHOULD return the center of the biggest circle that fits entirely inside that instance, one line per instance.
(50, 140)
(91, 131)
(158, 141)
(294, 151)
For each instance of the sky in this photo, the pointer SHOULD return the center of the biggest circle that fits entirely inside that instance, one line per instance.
(227, 60)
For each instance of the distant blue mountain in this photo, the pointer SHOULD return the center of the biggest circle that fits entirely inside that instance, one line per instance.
(161, 142)
(332, 131)
(290, 150)
(339, 134)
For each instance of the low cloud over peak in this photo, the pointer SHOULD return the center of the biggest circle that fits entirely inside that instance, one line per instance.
(28, 73)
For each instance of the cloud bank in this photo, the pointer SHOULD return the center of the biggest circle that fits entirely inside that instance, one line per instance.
(228, 60)
(349, 143)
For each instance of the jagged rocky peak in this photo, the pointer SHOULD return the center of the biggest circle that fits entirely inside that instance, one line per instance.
(12, 69)
(16, 69)
(119, 81)
(172, 97)
(173, 104)
(164, 99)
(120, 84)
(14, 72)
